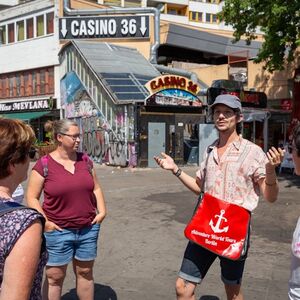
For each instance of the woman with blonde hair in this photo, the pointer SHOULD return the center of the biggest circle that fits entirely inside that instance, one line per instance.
(22, 254)
(74, 208)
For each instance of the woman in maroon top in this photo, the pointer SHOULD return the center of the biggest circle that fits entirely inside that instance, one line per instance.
(74, 208)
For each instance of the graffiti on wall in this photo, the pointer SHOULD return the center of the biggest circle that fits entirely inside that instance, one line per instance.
(102, 143)
(103, 146)
(75, 99)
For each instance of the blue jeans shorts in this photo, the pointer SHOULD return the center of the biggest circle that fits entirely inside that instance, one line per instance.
(67, 244)
(197, 261)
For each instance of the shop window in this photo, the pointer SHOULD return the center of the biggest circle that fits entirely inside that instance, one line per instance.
(20, 31)
(3, 34)
(11, 33)
(49, 21)
(29, 28)
(40, 25)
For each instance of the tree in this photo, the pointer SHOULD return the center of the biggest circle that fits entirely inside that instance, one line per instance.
(279, 21)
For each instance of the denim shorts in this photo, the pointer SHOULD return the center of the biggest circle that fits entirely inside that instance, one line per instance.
(67, 244)
(197, 261)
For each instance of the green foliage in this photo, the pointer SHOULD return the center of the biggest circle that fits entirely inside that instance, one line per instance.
(279, 20)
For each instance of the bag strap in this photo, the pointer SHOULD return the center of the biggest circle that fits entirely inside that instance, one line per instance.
(86, 158)
(44, 161)
(6, 207)
(209, 150)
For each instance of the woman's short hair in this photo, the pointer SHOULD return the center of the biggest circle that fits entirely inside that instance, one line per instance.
(296, 138)
(16, 138)
(59, 126)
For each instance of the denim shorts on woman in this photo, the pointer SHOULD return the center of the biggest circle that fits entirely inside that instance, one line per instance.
(197, 261)
(67, 244)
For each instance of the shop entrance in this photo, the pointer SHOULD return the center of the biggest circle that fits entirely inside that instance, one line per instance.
(156, 141)
(176, 134)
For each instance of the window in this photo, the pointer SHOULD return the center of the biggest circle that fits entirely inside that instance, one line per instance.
(40, 25)
(193, 15)
(49, 20)
(29, 28)
(42, 81)
(18, 86)
(20, 31)
(11, 32)
(12, 86)
(196, 16)
(3, 34)
(211, 18)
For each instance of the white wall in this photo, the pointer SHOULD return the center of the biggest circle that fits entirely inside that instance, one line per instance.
(29, 54)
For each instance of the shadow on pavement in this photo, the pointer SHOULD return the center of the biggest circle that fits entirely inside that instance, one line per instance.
(208, 297)
(102, 292)
(292, 179)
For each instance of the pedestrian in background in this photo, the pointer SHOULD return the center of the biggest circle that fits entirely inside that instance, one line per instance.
(294, 281)
(22, 252)
(73, 207)
(236, 171)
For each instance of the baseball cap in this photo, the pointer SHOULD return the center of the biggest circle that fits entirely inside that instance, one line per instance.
(229, 100)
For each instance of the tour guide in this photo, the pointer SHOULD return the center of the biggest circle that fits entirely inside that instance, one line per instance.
(236, 171)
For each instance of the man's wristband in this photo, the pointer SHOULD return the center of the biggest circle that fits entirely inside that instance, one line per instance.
(178, 172)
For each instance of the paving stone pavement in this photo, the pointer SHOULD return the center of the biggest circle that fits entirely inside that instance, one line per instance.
(141, 241)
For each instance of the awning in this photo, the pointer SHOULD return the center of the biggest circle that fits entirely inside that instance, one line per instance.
(26, 116)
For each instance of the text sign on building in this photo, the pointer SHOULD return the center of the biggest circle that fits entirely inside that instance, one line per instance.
(45, 104)
(172, 90)
(104, 27)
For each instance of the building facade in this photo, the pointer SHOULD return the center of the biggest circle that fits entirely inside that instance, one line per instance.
(101, 82)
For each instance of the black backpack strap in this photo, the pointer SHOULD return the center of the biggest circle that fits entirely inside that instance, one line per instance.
(6, 207)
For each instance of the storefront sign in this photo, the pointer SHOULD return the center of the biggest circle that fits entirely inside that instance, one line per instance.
(104, 27)
(45, 104)
(172, 90)
(172, 82)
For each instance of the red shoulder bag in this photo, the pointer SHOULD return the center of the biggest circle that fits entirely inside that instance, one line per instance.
(221, 227)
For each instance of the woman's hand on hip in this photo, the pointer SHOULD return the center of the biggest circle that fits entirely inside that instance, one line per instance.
(50, 226)
(99, 218)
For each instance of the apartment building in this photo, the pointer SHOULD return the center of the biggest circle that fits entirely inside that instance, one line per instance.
(29, 64)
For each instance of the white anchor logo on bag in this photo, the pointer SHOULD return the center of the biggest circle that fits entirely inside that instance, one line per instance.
(216, 228)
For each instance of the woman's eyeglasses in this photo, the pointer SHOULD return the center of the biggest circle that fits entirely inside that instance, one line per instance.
(73, 137)
(31, 153)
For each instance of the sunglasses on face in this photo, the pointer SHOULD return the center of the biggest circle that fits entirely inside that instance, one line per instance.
(31, 153)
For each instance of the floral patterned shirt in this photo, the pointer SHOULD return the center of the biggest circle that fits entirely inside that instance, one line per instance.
(12, 226)
(234, 177)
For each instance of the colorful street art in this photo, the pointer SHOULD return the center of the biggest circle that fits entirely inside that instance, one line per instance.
(101, 142)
